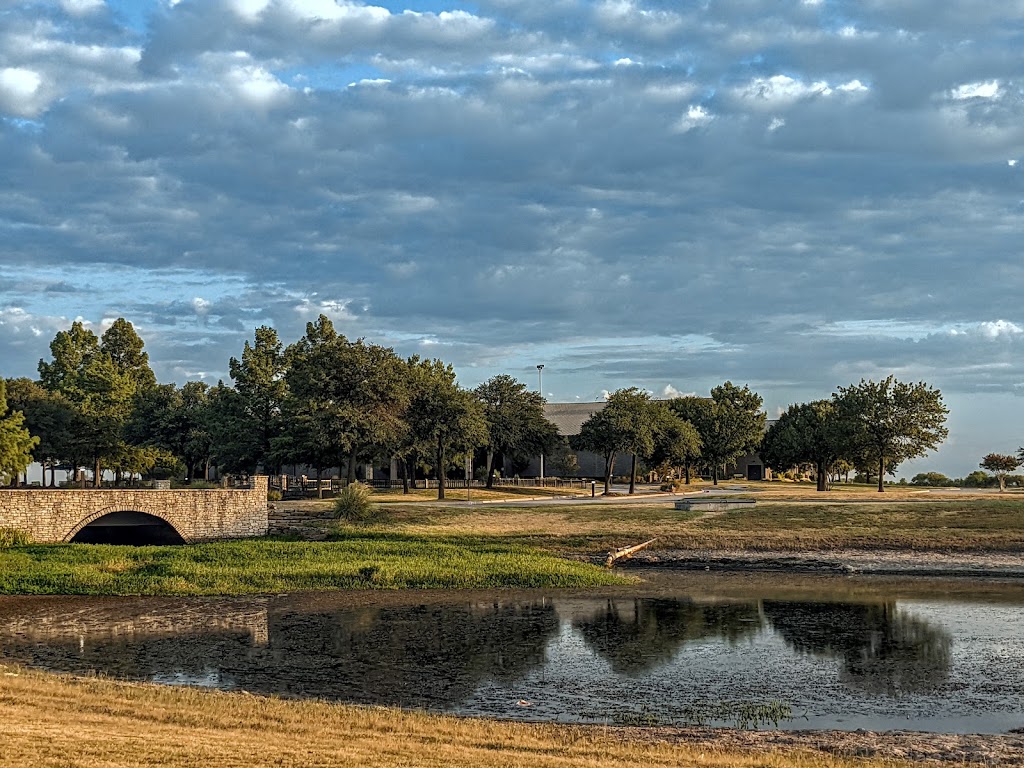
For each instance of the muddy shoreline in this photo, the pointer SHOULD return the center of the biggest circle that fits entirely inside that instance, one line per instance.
(1006, 565)
(910, 746)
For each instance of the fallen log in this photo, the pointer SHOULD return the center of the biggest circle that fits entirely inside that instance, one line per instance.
(625, 552)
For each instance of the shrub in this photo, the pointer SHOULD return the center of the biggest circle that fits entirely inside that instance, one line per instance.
(353, 503)
(273, 495)
(13, 537)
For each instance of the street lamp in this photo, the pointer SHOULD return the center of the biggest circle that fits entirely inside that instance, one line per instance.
(540, 389)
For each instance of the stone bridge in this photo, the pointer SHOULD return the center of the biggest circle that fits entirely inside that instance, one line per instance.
(53, 516)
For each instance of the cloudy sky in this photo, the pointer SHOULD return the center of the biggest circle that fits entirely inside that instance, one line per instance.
(792, 194)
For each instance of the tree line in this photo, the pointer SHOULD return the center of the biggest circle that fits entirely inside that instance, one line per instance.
(327, 401)
(322, 401)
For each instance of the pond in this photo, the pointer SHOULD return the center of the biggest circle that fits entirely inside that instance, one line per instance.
(682, 648)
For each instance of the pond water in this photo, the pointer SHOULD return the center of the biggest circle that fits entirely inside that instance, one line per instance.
(839, 652)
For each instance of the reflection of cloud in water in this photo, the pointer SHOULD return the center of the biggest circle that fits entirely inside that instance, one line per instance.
(883, 650)
(636, 636)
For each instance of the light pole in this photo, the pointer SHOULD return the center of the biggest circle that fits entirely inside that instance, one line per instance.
(540, 389)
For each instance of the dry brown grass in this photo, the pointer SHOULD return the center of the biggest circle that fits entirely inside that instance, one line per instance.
(65, 721)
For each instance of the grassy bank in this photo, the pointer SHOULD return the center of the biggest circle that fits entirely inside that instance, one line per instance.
(974, 524)
(63, 721)
(355, 561)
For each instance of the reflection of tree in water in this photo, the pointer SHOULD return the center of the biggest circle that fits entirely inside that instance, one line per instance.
(883, 650)
(636, 636)
(423, 656)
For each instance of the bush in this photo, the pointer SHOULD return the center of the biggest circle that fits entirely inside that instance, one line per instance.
(274, 495)
(13, 537)
(353, 503)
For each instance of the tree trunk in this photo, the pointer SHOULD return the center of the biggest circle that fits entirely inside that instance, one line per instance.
(352, 466)
(632, 476)
(490, 468)
(881, 474)
(822, 476)
(686, 470)
(405, 474)
(440, 470)
(714, 472)
(609, 466)
(97, 474)
(1002, 483)
(319, 488)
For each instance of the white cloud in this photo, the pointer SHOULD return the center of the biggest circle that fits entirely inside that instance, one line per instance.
(987, 89)
(696, 117)
(20, 91)
(82, 7)
(671, 393)
(1000, 328)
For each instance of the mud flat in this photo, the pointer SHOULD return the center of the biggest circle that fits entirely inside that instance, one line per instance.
(888, 562)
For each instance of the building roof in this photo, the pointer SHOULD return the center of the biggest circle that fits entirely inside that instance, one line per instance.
(569, 417)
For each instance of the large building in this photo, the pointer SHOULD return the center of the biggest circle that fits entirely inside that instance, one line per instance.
(569, 418)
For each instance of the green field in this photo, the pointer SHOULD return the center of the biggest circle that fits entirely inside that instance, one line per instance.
(355, 561)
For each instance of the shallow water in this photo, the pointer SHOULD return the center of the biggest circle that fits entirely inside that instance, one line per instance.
(841, 652)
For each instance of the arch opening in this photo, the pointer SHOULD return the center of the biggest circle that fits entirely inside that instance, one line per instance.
(130, 528)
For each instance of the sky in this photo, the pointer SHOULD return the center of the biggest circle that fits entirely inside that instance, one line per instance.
(790, 194)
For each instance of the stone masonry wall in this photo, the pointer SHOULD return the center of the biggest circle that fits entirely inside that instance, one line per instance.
(51, 516)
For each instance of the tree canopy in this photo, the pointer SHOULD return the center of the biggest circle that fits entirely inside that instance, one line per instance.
(807, 433)
(16, 443)
(890, 421)
(516, 425)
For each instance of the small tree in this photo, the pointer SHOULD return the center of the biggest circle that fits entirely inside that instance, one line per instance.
(807, 433)
(1000, 465)
(15, 442)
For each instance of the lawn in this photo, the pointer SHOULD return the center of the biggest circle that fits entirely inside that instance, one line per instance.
(356, 560)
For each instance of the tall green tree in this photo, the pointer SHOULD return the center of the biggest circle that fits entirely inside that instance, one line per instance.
(360, 388)
(126, 350)
(890, 421)
(444, 419)
(731, 427)
(259, 381)
(16, 443)
(807, 433)
(516, 425)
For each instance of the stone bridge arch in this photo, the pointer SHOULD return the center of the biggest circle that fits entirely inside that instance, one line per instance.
(92, 517)
(58, 515)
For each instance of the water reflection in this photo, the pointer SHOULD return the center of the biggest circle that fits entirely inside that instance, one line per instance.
(884, 650)
(872, 664)
(636, 636)
(421, 656)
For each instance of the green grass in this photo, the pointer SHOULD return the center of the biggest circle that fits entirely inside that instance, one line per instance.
(254, 566)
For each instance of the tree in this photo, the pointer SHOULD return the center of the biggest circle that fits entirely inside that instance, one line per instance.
(1000, 465)
(444, 419)
(890, 421)
(693, 410)
(516, 425)
(16, 443)
(626, 423)
(259, 380)
(676, 441)
(731, 427)
(49, 417)
(125, 348)
(359, 389)
(807, 433)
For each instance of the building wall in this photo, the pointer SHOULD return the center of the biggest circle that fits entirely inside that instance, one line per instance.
(51, 516)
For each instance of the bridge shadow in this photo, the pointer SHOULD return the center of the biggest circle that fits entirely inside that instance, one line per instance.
(128, 528)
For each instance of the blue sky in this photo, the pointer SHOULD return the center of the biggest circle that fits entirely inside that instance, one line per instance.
(789, 194)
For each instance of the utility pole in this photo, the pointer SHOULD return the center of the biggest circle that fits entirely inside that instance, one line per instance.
(540, 388)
